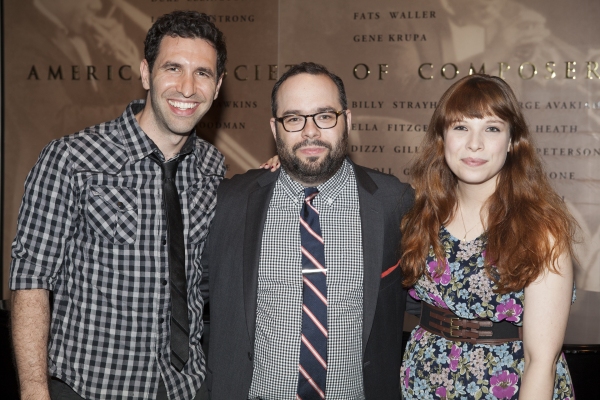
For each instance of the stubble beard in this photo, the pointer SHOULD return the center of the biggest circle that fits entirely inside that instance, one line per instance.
(312, 171)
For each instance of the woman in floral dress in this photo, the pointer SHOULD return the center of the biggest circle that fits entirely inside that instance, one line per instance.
(497, 244)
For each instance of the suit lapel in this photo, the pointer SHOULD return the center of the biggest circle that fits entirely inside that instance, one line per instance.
(256, 214)
(372, 225)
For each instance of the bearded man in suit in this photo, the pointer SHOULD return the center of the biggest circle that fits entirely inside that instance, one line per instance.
(305, 291)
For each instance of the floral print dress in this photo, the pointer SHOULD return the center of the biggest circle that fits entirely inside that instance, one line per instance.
(436, 368)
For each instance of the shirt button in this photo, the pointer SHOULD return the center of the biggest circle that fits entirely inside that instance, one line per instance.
(164, 242)
(164, 282)
(120, 205)
(161, 320)
(250, 356)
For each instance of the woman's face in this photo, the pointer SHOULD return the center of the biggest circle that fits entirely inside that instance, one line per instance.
(475, 149)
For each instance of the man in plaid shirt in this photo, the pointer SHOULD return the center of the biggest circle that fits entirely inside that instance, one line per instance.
(93, 233)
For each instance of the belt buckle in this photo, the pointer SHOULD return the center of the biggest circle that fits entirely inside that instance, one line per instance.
(454, 327)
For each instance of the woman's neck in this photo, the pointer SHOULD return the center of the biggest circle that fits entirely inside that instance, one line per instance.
(474, 195)
(470, 216)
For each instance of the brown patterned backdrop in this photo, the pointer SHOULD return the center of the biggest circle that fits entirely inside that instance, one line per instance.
(72, 63)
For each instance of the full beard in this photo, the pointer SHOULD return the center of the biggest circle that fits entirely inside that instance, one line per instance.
(311, 171)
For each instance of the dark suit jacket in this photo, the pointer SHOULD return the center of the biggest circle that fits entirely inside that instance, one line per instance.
(233, 254)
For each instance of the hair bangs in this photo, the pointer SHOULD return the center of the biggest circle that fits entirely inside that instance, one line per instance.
(476, 98)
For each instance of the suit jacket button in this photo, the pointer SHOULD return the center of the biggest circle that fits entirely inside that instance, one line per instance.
(250, 356)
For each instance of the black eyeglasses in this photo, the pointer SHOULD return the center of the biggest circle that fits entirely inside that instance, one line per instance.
(323, 120)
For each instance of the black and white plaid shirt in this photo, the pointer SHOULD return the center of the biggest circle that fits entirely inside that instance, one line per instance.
(279, 305)
(92, 229)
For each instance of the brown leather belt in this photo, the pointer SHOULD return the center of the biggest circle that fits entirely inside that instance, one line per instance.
(443, 322)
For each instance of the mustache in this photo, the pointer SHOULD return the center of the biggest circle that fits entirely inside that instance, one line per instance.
(314, 142)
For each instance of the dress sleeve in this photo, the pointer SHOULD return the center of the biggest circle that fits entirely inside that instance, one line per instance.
(44, 221)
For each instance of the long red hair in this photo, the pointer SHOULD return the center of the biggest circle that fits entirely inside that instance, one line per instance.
(528, 224)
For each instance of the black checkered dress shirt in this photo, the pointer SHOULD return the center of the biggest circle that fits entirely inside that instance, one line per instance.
(279, 303)
(92, 229)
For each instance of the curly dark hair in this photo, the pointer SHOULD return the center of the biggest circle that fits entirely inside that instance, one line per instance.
(189, 25)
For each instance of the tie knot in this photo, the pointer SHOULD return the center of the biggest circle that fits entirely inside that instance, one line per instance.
(310, 193)
(170, 169)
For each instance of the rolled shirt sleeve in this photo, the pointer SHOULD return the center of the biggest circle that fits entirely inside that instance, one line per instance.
(44, 222)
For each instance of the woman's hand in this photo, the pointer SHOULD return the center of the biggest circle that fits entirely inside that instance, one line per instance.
(273, 164)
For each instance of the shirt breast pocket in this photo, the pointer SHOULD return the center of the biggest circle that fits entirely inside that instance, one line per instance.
(112, 213)
(202, 199)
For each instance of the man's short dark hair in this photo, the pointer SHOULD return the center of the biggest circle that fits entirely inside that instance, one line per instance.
(312, 69)
(188, 25)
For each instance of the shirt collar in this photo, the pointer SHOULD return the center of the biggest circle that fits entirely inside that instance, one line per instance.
(291, 188)
(328, 191)
(137, 143)
(331, 189)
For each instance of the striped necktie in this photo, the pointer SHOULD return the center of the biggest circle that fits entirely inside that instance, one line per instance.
(313, 351)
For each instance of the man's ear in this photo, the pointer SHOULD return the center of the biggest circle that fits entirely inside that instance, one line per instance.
(274, 128)
(145, 74)
(219, 82)
(348, 120)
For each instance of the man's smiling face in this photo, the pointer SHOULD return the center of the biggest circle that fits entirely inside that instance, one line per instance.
(182, 84)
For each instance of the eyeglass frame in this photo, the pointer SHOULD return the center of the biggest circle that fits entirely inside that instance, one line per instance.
(337, 115)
